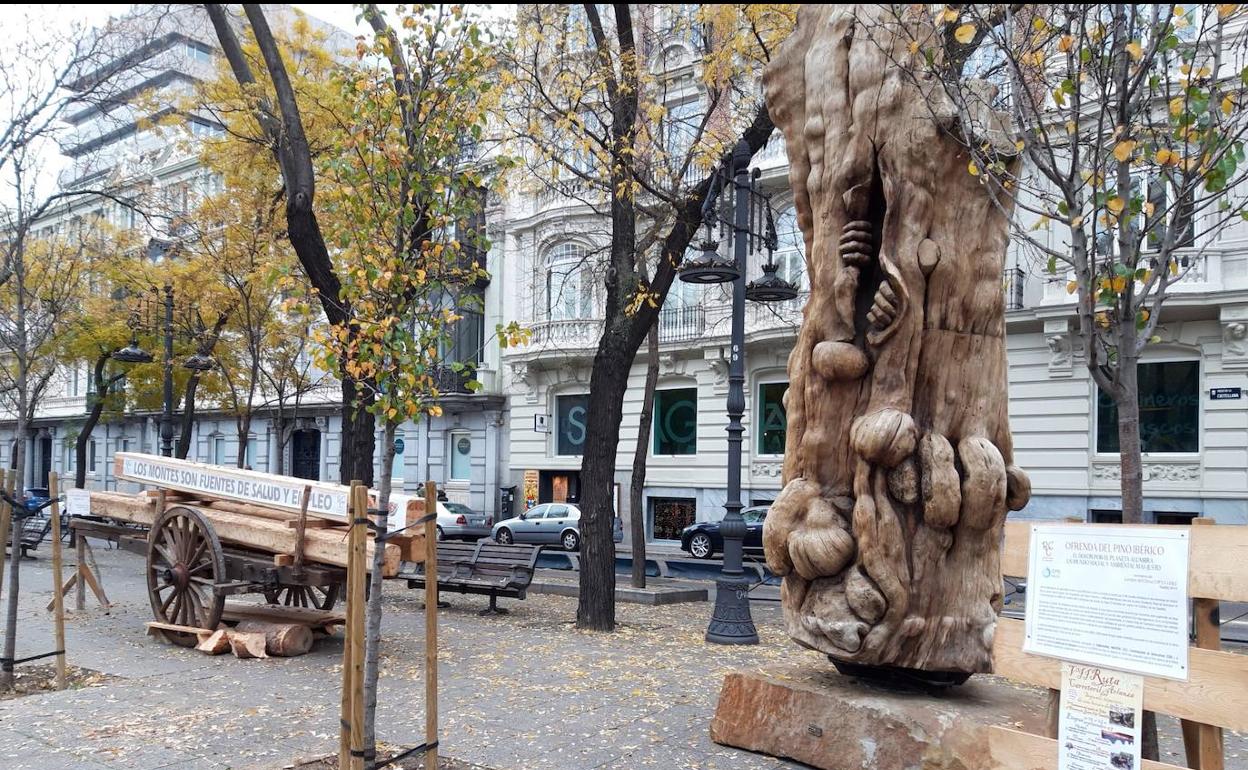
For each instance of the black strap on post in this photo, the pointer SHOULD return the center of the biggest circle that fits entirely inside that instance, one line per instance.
(418, 523)
(405, 754)
(7, 664)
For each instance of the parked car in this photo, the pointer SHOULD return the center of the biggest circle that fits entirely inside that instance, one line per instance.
(703, 539)
(456, 520)
(548, 523)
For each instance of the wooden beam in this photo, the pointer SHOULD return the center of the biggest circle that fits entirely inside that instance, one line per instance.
(1203, 742)
(58, 596)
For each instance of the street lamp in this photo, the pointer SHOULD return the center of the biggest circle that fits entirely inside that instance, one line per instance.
(143, 318)
(753, 226)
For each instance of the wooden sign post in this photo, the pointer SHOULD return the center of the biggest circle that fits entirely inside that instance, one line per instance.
(431, 627)
(58, 596)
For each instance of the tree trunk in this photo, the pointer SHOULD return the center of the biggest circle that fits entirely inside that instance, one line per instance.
(372, 631)
(183, 447)
(83, 441)
(359, 427)
(242, 457)
(1128, 403)
(15, 533)
(637, 515)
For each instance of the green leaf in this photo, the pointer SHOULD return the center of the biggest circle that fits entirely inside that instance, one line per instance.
(1051, 267)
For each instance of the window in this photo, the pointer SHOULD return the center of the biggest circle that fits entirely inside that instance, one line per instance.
(681, 130)
(571, 411)
(1169, 410)
(91, 456)
(461, 456)
(669, 515)
(754, 517)
(569, 287)
(253, 446)
(557, 512)
(218, 450)
(198, 53)
(772, 418)
(790, 249)
(676, 421)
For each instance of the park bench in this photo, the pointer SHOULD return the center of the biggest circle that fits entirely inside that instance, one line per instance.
(485, 567)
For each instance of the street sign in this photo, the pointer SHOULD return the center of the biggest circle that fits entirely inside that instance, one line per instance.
(541, 423)
(1225, 394)
(399, 445)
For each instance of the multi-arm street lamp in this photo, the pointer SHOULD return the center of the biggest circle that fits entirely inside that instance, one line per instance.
(145, 319)
(753, 228)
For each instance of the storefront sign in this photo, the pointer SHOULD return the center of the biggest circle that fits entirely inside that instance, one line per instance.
(77, 502)
(1225, 394)
(1109, 596)
(573, 421)
(399, 445)
(530, 488)
(541, 423)
(1099, 723)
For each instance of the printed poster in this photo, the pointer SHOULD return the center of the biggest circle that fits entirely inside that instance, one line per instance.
(1100, 718)
(1109, 596)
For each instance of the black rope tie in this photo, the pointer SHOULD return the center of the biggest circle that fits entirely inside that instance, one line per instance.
(7, 664)
(405, 754)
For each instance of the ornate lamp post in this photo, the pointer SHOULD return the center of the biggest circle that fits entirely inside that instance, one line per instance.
(144, 318)
(753, 226)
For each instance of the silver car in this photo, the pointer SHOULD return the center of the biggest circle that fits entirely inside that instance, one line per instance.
(556, 523)
(456, 520)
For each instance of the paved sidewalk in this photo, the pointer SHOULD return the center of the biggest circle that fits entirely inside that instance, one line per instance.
(518, 692)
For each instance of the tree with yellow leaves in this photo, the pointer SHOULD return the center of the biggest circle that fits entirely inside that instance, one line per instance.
(600, 116)
(1131, 121)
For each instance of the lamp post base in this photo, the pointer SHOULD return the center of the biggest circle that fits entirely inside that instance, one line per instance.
(731, 622)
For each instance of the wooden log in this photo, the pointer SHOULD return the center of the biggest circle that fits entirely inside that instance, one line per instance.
(315, 524)
(217, 643)
(323, 546)
(248, 645)
(283, 560)
(58, 596)
(274, 613)
(284, 640)
(80, 553)
(156, 626)
(251, 510)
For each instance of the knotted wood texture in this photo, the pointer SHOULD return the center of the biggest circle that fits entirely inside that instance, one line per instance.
(898, 466)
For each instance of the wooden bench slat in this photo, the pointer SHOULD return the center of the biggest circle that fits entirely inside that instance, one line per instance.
(1017, 750)
(1215, 562)
(1216, 693)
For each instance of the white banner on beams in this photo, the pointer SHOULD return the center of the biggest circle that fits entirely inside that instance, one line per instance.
(327, 501)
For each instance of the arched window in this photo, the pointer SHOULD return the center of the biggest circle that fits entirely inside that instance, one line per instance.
(569, 284)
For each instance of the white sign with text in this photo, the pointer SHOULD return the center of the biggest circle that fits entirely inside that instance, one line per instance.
(77, 502)
(1100, 717)
(1110, 596)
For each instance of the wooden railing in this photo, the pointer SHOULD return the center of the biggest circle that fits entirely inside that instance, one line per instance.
(1214, 698)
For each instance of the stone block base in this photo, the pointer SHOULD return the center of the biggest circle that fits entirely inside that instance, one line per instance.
(833, 722)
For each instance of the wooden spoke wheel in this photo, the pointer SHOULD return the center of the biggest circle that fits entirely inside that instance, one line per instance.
(184, 562)
(315, 597)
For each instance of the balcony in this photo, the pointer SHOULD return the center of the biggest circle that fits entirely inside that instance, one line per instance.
(1199, 272)
(680, 324)
(1015, 282)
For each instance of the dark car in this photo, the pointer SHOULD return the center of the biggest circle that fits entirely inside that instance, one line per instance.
(703, 539)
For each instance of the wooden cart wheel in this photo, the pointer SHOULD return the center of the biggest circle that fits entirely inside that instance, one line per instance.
(184, 562)
(316, 597)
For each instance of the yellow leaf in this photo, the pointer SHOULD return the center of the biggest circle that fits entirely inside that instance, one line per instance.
(949, 14)
(1226, 9)
(1174, 267)
(972, 168)
(914, 46)
(1115, 205)
(1228, 104)
(1038, 24)
(965, 33)
(1123, 150)
(1072, 287)
(1165, 157)
(1136, 50)
(1149, 208)
(1176, 105)
(1120, 283)
(1146, 277)
(1071, 127)
(1065, 43)
(1019, 145)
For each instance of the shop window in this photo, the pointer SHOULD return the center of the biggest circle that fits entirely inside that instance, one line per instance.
(1180, 518)
(676, 421)
(1169, 400)
(670, 515)
(772, 418)
(571, 412)
(461, 456)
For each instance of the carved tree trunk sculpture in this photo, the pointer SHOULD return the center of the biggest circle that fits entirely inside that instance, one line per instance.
(899, 465)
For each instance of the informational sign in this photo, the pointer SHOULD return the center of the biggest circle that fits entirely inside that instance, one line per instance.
(399, 445)
(1099, 723)
(77, 502)
(541, 423)
(1110, 596)
(530, 488)
(1225, 394)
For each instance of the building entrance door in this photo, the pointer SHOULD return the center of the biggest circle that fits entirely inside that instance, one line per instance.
(44, 456)
(305, 451)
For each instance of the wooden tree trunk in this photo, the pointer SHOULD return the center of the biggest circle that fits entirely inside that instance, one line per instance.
(284, 640)
(641, 453)
(1131, 471)
(898, 466)
(372, 630)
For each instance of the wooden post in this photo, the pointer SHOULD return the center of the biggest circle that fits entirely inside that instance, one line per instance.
(359, 532)
(5, 515)
(300, 528)
(80, 552)
(1203, 743)
(344, 729)
(431, 626)
(58, 598)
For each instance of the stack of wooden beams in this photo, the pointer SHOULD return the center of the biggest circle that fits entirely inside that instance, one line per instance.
(266, 528)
